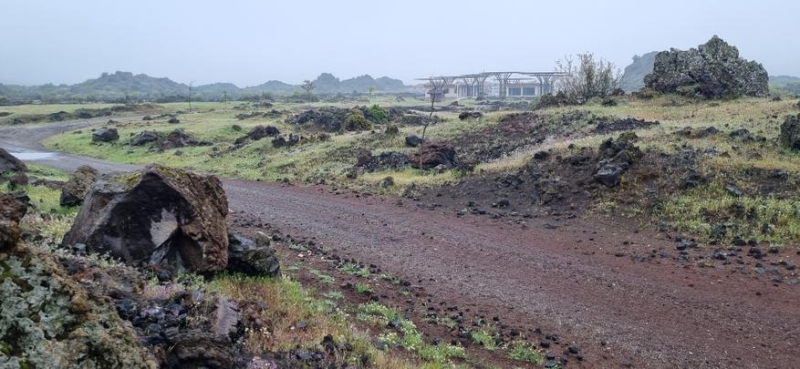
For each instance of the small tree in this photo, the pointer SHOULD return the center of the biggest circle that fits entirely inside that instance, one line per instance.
(588, 77)
(308, 86)
(376, 114)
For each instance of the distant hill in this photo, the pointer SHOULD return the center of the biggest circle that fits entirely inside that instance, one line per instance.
(327, 83)
(788, 83)
(272, 87)
(633, 78)
(125, 86)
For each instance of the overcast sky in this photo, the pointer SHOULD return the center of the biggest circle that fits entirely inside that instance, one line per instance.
(250, 42)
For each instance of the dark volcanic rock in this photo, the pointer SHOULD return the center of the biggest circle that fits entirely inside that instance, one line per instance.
(245, 257)
(615, 158)
(145, 137)
(11, 212)
(414, 140)
(609, 175)
(433, 154)
(713, 70)
(391, 160)
(9, 163)
(73, 192)
(258, 132)
(176, 138)
(470, 115)
(622, 125)
(157, 215)
(790, 132)
(105, 135)
(281, 141)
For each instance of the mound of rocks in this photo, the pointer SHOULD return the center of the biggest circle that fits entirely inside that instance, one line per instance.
(615, 158)
(154, 216)
(328, 119)
(390, 160)
(434, 154)
(256, 133)
(714, 70)
(790, 132)
(74, 191)
(607, 126)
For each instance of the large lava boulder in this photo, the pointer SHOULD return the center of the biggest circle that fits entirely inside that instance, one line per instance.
(9, 163)
(713, 70)
(73, 192)
(790, 132)
(105, 135)
(157, 215)
(433, 154)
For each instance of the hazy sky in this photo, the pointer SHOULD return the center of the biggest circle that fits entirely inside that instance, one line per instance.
(250, 42)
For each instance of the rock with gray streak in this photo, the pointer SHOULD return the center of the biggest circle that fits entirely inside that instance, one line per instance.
(157, 215)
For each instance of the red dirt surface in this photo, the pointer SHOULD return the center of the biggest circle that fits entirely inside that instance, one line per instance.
(572, 281)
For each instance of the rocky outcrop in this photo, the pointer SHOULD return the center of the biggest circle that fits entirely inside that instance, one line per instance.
(105, 135)
(790, 132)
(9, 163)
(157, 215)
(714, 70)
(73, 192)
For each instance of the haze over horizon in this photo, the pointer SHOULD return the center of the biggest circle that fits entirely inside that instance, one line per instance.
(251, 42)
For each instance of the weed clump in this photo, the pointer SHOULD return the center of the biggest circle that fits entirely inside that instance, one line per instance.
(356, 121)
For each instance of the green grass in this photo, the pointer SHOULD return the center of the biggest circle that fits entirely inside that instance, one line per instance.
(406, 334)
(362, 289)
(485, 339)
(523, 351)
(355, 270)
(324, 278)
(288, 303)
(46, 173)
(700, 210)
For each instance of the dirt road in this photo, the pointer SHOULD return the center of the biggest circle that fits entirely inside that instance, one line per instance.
(578, 280)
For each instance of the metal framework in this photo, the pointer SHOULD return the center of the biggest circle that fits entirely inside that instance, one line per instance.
(476, 82)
